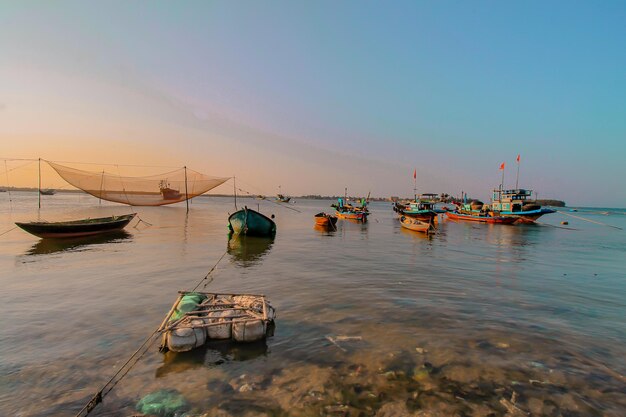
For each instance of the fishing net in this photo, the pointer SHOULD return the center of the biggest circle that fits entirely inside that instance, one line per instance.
(156, 190)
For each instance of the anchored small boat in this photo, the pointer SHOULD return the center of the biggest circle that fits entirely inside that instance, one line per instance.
(47, 192)
(282, 198)
(416, 224)
(325, 220)
(251, 223)
(77, 228)
(517, 204)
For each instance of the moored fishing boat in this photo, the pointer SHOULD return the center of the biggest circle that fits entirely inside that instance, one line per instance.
(516, 203)
(251, 223)
(344, 210)
(282, 198)
(422, 210)
(415, 224)
(77, 228)
(325, 220)
(167, 192)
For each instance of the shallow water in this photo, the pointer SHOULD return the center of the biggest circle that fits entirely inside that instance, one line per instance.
(477, 320)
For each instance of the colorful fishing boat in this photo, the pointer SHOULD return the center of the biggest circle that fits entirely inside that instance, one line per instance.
(251, 223)
(325, 220)
(422, 210)
(77, 228)
(417, 225)
(480, 217)
(344, 210)
(516, 203)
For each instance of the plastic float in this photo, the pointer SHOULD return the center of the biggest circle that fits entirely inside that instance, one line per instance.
(198, 317)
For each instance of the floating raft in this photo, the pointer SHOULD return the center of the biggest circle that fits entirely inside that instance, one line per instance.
(199, 317)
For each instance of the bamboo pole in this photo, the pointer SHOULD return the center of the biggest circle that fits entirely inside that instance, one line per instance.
(169, 314)
(186, 190)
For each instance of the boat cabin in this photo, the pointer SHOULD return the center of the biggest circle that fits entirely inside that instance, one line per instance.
(509, 200)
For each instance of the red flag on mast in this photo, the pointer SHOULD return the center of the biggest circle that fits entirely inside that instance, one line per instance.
(502, 166)
(415, 174)
(518, 158)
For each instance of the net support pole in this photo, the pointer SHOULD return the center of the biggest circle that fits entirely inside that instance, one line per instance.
(235, 192)
(39, 186)
(186, 190)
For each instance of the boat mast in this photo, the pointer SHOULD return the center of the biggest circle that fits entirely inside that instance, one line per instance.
(517, 178)
(186, 193)
(39, 186)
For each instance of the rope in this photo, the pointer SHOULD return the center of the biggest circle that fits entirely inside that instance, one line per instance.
(209, 273)
(591, 221)
(127, 366)
(10, 230)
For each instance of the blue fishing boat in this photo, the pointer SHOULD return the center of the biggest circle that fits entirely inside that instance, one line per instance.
(517, 203)
(251, 223)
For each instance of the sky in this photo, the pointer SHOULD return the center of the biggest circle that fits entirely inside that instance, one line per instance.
(318, 96)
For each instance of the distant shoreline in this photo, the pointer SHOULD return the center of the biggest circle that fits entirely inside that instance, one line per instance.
(543, 202)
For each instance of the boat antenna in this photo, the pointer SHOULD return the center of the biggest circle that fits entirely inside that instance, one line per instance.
(235, 191)
(345, 195)
(517, 178)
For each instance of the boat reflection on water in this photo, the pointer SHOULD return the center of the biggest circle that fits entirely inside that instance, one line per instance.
(47, 246)
(210, 355)
(248, 251)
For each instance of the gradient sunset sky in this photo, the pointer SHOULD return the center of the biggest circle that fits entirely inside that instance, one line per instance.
(318, 96)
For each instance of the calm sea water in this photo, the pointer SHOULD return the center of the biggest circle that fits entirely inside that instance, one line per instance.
(477, 320)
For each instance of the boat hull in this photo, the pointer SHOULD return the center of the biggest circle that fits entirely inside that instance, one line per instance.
(251, 223)
(481, 219)
(415, 224)
(527, 216)
(325, 220)
(77, 228)
(360, 216)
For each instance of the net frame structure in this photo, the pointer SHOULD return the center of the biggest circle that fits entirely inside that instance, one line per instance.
(154, 190)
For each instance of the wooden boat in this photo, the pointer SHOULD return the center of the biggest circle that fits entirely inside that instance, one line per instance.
(251, 223)
(483, 218)
(77, 228)
(282, 199)
(47, 192)
(325, 220)
(516, 203)
(415, 224)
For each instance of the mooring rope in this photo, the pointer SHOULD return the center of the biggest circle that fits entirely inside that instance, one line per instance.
(591, 221)
(10, 230)
(138, 354)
